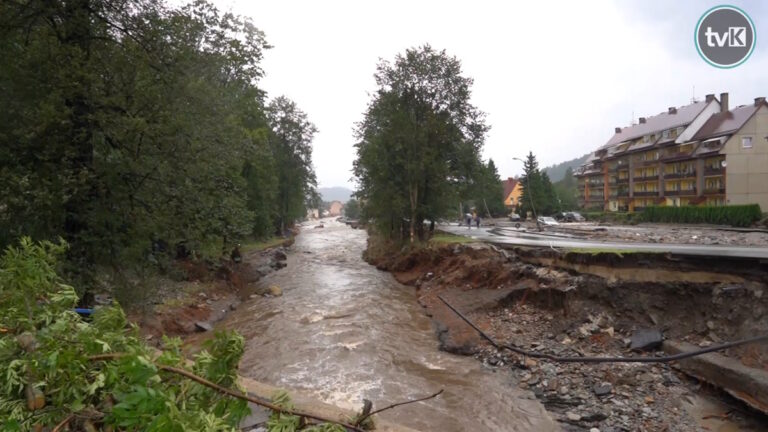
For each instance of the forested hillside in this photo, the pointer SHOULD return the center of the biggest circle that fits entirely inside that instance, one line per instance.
(137, 131)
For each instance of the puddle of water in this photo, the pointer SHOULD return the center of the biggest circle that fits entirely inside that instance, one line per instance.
(345, 331)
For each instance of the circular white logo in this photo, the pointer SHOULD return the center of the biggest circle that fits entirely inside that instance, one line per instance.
(725, 36)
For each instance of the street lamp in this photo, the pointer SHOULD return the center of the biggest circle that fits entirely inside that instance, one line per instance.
(530, 195)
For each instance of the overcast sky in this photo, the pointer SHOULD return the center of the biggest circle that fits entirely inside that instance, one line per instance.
(554, 78)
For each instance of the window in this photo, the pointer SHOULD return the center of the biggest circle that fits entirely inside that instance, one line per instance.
(746, 142)
(665, 134)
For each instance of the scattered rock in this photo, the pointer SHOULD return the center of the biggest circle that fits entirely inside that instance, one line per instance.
(602, 389)
(572, 416)
(203, 326)
(646, 340)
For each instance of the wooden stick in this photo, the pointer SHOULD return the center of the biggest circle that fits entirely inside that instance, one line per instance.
(63, 423)
(361, 419)
(238, 395)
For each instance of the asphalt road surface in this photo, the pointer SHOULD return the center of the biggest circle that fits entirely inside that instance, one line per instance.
(521, 237)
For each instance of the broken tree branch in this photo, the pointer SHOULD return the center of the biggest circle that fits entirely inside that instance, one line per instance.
(664, 359)
(230, 392)
(363, 417)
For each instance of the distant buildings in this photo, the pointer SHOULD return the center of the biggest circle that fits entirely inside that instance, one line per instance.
(335, 208)
(512, 192)
(698, 154)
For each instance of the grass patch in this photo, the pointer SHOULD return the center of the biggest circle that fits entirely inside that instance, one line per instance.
(445, 238)
(262, 244)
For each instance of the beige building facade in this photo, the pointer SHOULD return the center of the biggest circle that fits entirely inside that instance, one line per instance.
(746, 158)
(703, 153)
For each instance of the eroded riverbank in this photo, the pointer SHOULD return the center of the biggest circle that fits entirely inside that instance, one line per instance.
(543, 308)
(343, 331)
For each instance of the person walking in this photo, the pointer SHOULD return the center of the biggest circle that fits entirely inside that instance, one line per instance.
(474, 217)
(477, 220)
(468, 217)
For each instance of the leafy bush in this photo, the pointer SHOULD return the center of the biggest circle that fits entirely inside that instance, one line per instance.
(735, 215)
(60, 369)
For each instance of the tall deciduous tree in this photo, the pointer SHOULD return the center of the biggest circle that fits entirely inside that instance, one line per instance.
(130, 127)
(419, 142)
(291, 142)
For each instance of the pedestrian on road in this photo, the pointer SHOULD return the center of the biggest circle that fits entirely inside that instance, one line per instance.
(474, 217)
(469, 220)
(477, 221)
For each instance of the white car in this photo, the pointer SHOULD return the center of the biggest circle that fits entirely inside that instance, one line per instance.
(546, 220)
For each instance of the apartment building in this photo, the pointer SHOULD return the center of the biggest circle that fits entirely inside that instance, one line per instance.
(699, 154)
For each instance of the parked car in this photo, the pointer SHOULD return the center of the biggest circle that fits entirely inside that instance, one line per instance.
(514, 217)
(574, 217)
(546, 220)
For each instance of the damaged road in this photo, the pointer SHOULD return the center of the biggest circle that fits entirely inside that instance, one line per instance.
(538, 300)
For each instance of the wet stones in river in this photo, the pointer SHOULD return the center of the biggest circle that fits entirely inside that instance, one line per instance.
(602, 389)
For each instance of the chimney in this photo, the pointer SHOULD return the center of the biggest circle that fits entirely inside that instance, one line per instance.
(617, 130)
(759, 101)
(672, 110)
(709, 98)
(723, 102)
(642, 120)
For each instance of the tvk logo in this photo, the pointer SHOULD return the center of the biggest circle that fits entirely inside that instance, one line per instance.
(725, 36)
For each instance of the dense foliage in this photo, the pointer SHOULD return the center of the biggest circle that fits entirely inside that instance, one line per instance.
(418, 149)
(50, 373)
(134, 130)
(735, 215)
(352, 209)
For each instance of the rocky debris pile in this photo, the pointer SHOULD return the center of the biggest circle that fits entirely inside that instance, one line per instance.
(585, 397)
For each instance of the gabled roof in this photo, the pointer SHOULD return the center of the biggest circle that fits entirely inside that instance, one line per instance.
(509, 186)
(682, 117)
(727, 122)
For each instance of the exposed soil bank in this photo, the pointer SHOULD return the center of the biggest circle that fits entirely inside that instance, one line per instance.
(540, 301)
(206, 298)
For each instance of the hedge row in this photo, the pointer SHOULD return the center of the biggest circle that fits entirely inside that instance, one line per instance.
(734, 215)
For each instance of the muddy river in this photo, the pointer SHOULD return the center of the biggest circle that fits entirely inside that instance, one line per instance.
(344, 331)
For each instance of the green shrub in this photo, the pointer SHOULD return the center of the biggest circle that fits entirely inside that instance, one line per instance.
(735, 215)
(52, 373)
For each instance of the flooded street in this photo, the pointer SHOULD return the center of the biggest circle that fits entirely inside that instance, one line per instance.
(344, 331)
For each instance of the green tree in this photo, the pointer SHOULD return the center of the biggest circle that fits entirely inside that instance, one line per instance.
(566, 190)
(291, 142)
(538, 195)
(490, 190)
(419, 142)
(131, 124)
(352, 209)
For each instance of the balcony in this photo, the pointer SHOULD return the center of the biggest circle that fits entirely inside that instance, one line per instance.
(648, 177)
(680, 175)
(646, 193)
(593, 198)
(711, 171)
(684, 192)
(622, 180)
(714, 191)
(677, 156)
(622, 194)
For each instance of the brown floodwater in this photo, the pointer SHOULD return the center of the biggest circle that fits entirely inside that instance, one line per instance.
(343, 331)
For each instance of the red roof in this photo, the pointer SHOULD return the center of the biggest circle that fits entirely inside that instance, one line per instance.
(509, 186)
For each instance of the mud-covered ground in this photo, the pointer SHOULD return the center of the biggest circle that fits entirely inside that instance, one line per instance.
(206, 296)
(542, 309)
(664, 233)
